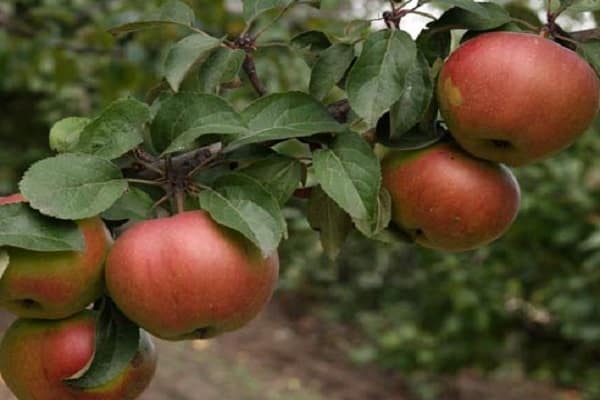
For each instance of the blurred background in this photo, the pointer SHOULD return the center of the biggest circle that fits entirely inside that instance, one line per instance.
(516, 320)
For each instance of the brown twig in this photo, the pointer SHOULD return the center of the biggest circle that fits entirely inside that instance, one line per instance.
(250, 69)
(586, 35)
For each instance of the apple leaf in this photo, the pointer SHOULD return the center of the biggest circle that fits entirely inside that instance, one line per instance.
(242, 203)
(461, 18)
(187, 116)
(329, 69)
(134, 205)
(434, 44)
(591, 52)
(222, 66)
(253, 8)
(184, 54)
(280, 175)
(468, 5)
(4, 261)
(584, 5)
(173, 12)
(73, 186)
(333, 223)
(65, 134)
(376, 80)
(25, 228)
(381, 219)
(117, 342)
(116, 131)
(350, 174)
(415, 98)
(283, 116)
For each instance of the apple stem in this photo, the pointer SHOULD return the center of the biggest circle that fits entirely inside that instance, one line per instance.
(180, 201)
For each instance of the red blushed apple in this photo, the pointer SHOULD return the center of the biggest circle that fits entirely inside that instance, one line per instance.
(36, 356)
(187, 277)
(449, 200)
(54, 285)
(516, 98)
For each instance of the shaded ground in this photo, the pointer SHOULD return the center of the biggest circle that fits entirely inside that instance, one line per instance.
(276, 358)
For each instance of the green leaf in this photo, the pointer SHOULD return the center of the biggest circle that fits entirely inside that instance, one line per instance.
(280, 175)
(116, 131)
(591, 52)
(64, 134)
(241, 203)
(584, 5)
(315, 41)
(460, 18)
(172, 12)
(381, 219)
(350, 174)
(25, 228)
(4, 261)
(134, 205)
(73, 186)
(376, 80)
(187, 116)
(434, 44)
(333, 223)
(184, 54)
(222, 66)
(253, 8)
(421, 135)
(468, 5)
(329, 69)
(415, 98)
(283, 116)
(117, 342)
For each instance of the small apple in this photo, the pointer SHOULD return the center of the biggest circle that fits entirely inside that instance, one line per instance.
(449, 200)
(37, 356)
(55, 285)
(185, 277)
(516, 98)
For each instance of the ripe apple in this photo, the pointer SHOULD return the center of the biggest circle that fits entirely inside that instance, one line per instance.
(449, 200)
(186, 277)
(55, 285)
(36, 356)
(516, 98)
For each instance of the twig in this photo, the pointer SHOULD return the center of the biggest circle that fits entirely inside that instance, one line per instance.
(144, 182)
(339, 110)
(250, 69)
(586, 35)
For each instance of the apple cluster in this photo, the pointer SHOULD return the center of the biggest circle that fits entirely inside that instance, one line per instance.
(507, 99)
(180, 277)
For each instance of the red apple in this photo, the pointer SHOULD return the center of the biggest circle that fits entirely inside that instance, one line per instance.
(187, 277)
(54, 285)
(516, 98)
(449, 200)
(36, 356)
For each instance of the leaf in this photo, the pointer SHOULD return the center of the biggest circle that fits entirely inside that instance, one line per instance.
(172, 12)
(415, 98)
(377, 78)
(116, 131)
(333, 223)
(434, 44)
(187, 116)
(283, 116)
(4, 261)
(375, 226)
(280, 175)
(241, 203)
(350, 174)
(584, 5)
(222, 66)
(468, 5)
(253, 8)
(422, 135)
(329, 69)
(25, 228)
(459, 18)
(73, 186)
(315, 41)
(117, 342)
(65, 134)
(591, 52)
(134, 205)
(184, 54)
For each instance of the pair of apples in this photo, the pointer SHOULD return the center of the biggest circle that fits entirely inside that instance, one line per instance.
(178, 278)
(510, 98)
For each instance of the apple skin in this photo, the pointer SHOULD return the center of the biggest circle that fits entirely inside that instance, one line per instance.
(447, 199)
(36, 356)
(516, 98)
(186, 277)
(55, 285)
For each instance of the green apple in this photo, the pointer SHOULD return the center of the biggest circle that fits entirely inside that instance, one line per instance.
(516, 98)
(186, 277)
(447, 199)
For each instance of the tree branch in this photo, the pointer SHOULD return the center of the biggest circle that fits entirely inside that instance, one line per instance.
(586, 35)
(250, 69)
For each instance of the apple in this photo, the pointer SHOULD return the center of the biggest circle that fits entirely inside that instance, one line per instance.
(185, 277)
(516, 98)
(55, 285)
(448, 200)
(37, 356)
